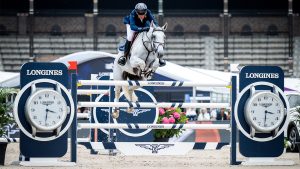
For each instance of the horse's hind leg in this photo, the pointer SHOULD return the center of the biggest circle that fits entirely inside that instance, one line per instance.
(133, 97)
(115, 110)
(128, 96)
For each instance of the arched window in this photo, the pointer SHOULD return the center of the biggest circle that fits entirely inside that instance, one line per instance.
(56, 30)
(246, 30)
(272, 30)
(3, 30)
(204, 30)
(178, 30)
(110, 30)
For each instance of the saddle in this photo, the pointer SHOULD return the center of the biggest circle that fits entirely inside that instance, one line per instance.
(122, 43)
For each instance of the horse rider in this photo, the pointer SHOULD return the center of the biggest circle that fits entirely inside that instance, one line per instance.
(138, 21)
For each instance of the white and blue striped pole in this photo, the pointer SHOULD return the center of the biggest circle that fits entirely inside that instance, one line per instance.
(151, 83)
(153, 126)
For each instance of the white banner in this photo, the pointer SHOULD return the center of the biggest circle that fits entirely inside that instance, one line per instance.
(154, 148)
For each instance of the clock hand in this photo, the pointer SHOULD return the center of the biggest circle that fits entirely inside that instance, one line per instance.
(270, 112)
(46, 115)
(50, 111)
(265, 117)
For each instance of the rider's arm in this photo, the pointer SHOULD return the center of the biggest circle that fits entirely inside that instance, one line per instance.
(132, 23)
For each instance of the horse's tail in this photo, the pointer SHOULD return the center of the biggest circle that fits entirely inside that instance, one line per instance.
(130, 96)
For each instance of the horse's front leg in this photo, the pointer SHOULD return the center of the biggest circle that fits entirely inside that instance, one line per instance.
(116, 110)
(138, 63)
(152, 69)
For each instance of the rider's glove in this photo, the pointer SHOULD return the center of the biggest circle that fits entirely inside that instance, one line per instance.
(146, 29)
(140, 29)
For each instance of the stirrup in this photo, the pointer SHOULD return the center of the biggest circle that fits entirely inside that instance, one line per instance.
(122, 60)
(162, 63)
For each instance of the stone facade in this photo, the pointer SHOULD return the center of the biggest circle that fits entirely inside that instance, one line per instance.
(10, 23)
(258, 24)
(189, 27)
(84, 24)
(67, 24)
(193, 24)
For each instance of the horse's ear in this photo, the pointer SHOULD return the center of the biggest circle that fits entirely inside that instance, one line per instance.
(152, 24)
(165, 26)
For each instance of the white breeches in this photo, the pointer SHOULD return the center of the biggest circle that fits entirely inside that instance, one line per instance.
(130, 32)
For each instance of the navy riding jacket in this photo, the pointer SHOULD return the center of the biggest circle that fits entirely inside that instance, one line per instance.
(136, 24)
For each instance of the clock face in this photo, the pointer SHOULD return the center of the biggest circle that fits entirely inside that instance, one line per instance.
(46, 109)
(265, 111)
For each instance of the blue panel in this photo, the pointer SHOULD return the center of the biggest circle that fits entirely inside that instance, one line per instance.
(144, 115)
(248, 147)
(28, 146)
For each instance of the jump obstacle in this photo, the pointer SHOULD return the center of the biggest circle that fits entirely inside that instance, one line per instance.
(232, 126)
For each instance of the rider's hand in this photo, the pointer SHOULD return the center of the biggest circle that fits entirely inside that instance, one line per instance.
(140, 29)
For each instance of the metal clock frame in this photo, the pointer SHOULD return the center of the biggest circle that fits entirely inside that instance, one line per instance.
(254, 128)
(69, 98)
(240, 95)
(36, 127)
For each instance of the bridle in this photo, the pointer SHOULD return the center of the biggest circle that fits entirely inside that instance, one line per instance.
(146, 40)
(151, 41)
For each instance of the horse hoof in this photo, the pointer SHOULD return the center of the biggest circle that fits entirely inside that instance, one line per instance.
(130, 110)
(115, 114)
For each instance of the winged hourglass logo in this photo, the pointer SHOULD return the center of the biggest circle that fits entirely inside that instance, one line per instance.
(154, 147)
(136, 112)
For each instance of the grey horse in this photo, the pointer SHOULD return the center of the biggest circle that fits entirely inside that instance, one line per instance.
(145, 52)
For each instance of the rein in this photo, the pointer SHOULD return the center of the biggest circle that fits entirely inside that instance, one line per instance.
(152, 42)
(146, 40)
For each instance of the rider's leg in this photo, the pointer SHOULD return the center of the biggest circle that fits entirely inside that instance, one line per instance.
(122, 60)
(127, 48)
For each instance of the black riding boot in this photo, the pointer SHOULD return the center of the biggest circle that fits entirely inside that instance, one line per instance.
(162, 62)
(122, 60)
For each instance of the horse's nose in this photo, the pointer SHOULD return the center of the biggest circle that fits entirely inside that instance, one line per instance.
(161, 54)
(160, 51)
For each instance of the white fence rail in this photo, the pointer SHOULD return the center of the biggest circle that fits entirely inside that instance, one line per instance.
(88, 92)
(153, 105)
(153, 126)
(151, 83)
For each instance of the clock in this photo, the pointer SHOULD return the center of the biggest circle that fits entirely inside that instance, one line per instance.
(46, 110)
(264, 111)
(25, 119)
(261, 115)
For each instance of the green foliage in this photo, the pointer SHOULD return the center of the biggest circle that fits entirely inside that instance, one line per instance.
(170, 116)
(5, 118)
